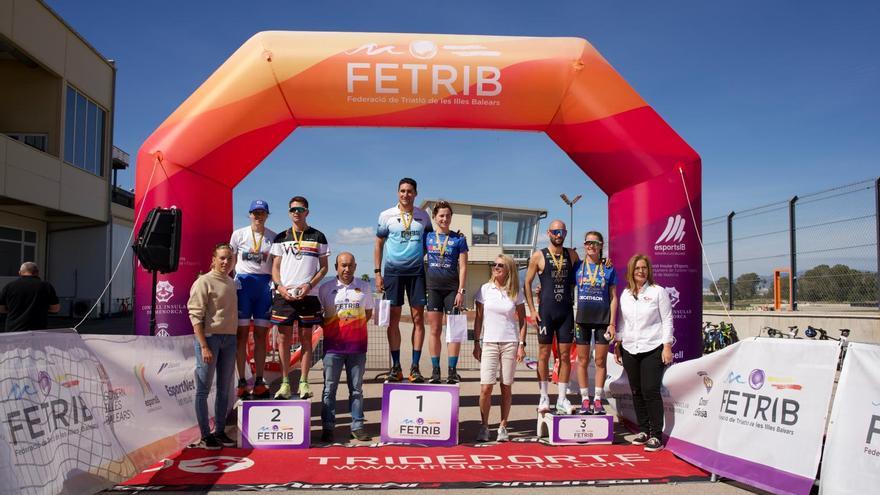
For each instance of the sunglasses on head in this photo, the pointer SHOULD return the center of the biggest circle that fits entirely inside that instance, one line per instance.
(298, 209)
(558, 232)
(499, 265)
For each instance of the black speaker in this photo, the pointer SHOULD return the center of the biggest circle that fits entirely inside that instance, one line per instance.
(158, 241)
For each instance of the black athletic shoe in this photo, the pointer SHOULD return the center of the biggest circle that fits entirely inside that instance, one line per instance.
(454, 377)
(415, 376)
(207, 443)
(327, 436)
(435, 375)
(653, 445)
(395, 375)
(225, 440)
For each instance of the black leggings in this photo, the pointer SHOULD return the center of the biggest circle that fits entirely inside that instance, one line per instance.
(645, 373)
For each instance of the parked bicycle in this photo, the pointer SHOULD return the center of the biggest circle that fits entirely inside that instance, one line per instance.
(716, 337)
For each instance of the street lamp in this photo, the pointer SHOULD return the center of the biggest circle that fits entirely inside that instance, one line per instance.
(570, 204)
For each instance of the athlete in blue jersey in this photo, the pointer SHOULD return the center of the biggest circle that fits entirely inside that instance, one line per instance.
(400, 240)
(596, 283)
(446, 281)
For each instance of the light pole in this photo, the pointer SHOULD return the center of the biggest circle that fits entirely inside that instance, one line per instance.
(570, 204)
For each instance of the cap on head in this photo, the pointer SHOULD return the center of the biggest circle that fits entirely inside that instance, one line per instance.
(258, 204)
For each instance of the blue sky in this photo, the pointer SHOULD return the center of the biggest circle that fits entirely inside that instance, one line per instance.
(778, 97)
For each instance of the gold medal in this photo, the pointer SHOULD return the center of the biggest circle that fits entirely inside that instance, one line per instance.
(558, 263)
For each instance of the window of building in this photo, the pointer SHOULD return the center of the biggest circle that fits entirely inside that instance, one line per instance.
(84, 132)
(518, 229)
(38, 141)
(484, 227)
(16, 247)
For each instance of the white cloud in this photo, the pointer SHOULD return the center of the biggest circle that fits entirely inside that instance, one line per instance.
(356, 235)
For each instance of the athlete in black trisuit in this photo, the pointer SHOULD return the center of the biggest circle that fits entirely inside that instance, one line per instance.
(553, 265)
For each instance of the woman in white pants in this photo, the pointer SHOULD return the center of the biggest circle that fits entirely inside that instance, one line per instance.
(501, 322)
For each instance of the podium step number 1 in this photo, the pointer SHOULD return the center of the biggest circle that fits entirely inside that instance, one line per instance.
(274, 424)
(422, 414)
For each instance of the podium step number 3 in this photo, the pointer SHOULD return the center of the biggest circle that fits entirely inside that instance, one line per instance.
(422, 414)
(564, 429)
(274, 424)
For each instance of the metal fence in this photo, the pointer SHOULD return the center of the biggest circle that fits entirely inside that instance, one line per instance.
(827, 242)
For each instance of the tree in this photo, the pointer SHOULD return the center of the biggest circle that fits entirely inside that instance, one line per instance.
(838, 283)
(365, 277)
(723, 285)
(747, 285)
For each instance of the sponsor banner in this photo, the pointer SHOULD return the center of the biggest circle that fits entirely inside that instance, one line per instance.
(772, 393)
(152, 390)
(851, 462)
(508, 464)
(55, 434)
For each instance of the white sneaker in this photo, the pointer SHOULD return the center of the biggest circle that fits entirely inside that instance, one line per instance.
(483, 435)
(544, 404)
(502, 435)
(563, 406)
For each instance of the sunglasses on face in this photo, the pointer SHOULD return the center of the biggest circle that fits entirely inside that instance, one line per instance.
(499, 265)
(593, 243)
(298, 209)
(558, 232)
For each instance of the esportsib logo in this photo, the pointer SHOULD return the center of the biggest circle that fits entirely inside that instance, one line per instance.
(670, 240)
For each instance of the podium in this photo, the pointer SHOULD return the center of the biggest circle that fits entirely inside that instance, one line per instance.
(274, 424)
(425, 414)
(564, 429)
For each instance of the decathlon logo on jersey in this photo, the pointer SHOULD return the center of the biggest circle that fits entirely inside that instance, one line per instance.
(395, 78)
(669, 241)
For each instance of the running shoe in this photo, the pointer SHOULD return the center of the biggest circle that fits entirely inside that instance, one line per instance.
(361, 435)
(261, 390)
(207, 443)
(483, 435)
(598, 408)
(283, 391)
(586, 407)
(304, 391)
(653, 445)
(435, 375)
(640, 439)
(454, 377)
(544, 404)
(415, 376)
(563, 406)
(225, 440)
(241, 391)
(503, 436)
(395, 375)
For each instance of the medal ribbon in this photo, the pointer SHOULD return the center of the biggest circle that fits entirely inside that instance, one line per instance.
(257, 245)
(442, 246)
(298, 240)
(558, 263)
(593, 275)
(403, 219)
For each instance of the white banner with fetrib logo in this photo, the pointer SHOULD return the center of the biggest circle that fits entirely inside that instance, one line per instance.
(82, 413)
(851, 463)
(754, 411)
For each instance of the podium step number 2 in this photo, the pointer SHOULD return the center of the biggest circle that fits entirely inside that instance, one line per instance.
(422, 414)
(274, 424)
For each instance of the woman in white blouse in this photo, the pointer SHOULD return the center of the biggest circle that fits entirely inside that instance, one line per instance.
(501, 322)
(645, 347)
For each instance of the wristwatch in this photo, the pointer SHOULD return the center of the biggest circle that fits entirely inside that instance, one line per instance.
(522, 343)
(377, 270)
(462, 291)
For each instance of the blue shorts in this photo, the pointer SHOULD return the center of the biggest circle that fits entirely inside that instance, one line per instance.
(254, 298)
(411, 285)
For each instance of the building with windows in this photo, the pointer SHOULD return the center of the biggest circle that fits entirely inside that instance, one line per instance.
(58, 206)
(490, 230)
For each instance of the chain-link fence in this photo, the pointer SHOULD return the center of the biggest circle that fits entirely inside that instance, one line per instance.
(826, 242)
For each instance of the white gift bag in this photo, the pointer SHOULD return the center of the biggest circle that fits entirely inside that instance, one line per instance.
(456, 328)
(382, 315)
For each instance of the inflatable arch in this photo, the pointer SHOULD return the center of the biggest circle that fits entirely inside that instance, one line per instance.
(278, 81)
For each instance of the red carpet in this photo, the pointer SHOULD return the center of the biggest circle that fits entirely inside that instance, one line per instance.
(513, 464)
